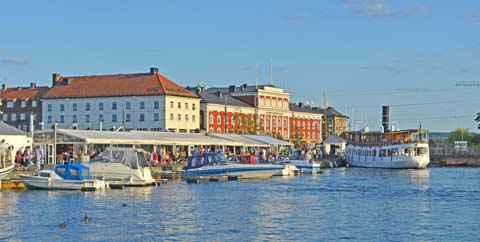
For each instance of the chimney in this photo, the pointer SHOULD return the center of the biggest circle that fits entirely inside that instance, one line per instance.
(243, 87)
(67, 80)
(4, 86)
(231, 88)
(385, 118)
(219, 93)
(300, 105)
(55, 78)
(153, 70)
(33, 85)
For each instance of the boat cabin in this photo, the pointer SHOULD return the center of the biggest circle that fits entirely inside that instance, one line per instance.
(208, 158)
(389, 138)
(70, 171)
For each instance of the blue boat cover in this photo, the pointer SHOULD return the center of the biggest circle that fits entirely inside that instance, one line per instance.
(209, 158)
(73, 171)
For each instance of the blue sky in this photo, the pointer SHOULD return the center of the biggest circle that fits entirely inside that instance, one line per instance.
(361, 53)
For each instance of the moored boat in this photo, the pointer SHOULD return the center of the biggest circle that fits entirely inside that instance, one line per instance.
(306, 167)
(62, 177)
(217, 164)
(4, 171)
(397, 149)
(122, 165)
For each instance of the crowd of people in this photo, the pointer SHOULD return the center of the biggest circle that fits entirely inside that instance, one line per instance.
(24, 158)
(165, 158)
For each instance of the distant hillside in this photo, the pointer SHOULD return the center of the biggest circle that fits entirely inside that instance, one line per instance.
(439, 136)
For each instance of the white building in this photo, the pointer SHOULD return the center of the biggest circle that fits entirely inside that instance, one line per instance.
(142, 101)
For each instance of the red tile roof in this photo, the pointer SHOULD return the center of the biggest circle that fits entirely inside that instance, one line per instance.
(22, 93)
(142, 84)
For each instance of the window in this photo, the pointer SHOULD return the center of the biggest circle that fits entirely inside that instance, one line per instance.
(74, 107)
(49, 119)
(22, 116)
(179, 117)
(211, 119)
(14, 117)
(100, 106)
(171, 116)
(49, 107)
(186, 105)
(233, 120)
(23, 104)
(74, 118)
(87, 106)
(219, 120)
(62, 119)
(193, 118)
(193, 106)
(34, 103)
(114, 105)
(62, 107)
(186, 117)
(226, 120)
(127, 105)
(5, 117)
(128, 117)
(114, 118)
(142, 105)
(142, 117)
(274, 123)
(156, 117)
(156, 104)
(100, 118)
(179, 105)
(219, 130)
(171, 104)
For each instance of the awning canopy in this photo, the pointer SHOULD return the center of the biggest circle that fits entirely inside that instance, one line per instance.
(268, 140)
(248, 142)
(143, 137)
(334, 139)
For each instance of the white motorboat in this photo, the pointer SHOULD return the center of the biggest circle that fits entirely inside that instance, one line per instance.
(122, 165)
(62, 177)
(216, 164)
(306, 167)
(289, 170)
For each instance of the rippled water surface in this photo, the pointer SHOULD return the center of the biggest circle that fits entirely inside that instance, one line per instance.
(437, 204)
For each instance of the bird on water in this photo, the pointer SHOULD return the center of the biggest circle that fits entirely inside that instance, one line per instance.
(63, 225)
(86, 218)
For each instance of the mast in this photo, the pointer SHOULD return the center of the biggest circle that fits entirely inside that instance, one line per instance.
(325, 115)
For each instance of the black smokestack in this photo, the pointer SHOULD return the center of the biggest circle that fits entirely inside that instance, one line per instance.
(385, 118)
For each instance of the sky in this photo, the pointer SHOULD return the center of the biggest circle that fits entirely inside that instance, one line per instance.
(360, 54)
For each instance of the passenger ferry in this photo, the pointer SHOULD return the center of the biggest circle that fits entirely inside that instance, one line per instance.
(400, 149)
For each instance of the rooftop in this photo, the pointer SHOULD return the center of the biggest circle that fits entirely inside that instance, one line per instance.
(140, 84)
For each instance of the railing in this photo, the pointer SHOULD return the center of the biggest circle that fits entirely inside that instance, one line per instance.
(450, 150)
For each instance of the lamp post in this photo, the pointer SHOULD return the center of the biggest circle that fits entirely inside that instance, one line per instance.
(55, 143)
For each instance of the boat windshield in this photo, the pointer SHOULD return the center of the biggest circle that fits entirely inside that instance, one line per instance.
(209, 159)
(130, 157)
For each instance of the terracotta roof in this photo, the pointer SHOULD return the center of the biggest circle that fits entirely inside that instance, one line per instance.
(142, 84)
(22, 93)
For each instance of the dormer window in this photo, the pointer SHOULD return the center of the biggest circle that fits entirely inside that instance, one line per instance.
(23, 104)
(10, 104)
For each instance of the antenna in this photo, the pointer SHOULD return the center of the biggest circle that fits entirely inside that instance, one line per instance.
(271, 78)
(256, 77)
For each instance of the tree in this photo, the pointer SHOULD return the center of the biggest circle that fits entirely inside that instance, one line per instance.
(460, 134)
(478, 120)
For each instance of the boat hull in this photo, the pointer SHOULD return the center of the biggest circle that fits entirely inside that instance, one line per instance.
(359, 157)
(45, 183)
(241, 171)
(120, 173)
(5, 171)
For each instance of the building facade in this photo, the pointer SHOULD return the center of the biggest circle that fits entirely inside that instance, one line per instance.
(142, 101)
(22, 106)
(336, 122)
(263, 109)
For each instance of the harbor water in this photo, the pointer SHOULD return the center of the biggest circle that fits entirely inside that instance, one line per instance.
(436, 204)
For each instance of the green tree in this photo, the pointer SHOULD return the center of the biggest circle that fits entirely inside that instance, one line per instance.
(475, 139)
(478, 120)
(460, 134)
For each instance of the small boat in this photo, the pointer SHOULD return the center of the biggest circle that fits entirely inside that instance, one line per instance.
(4, 171)
(456, 163)
(217, 164)
(306, 167)
(126, 166)
(289, 169)
(70, 176)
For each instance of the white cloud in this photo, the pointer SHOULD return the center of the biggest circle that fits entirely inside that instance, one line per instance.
(13, 61)
(377, 9)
